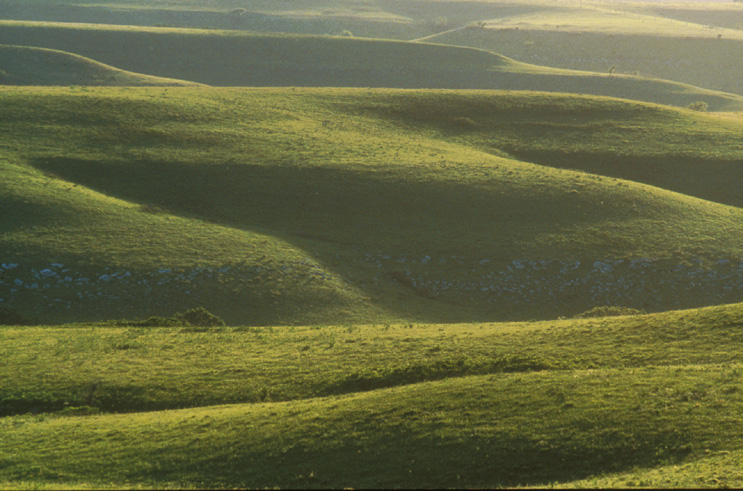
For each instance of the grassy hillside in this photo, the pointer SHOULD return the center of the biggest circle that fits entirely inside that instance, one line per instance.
(389, 19)
(623, 401)
(122, 370)
(70, 253)
(233, 58)
(645, 42)
(303, 17)
(327, 173)
(685, 151)
(692, 43)
(38, 66)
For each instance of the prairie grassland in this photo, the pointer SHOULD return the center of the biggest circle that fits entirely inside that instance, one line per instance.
(299, 178)
(48, 67)
(643, 39)
(237, 58)
(637, 399)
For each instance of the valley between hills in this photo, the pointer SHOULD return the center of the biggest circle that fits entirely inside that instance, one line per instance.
(370, 244)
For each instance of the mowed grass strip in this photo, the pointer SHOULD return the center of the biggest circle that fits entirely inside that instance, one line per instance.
(485, 431)
(141, 369)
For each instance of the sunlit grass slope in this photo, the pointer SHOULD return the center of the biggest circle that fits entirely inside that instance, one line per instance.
(72, 253)
(117, 369)
(38, 66)
(428, 226)
(234, 58)
(622, 38)
(388, 19)
(638, 399)
(685, 151)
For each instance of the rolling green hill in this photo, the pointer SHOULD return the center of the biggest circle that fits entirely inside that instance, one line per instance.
(233, 58)
(39, 66)
(326, 173)
(619, 401)
(631, 38)
(389, 19)
(693, 43)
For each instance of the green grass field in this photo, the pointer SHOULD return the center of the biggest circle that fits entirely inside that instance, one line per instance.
(151, 186)
(647, 400)
(534, 286)
(692, 43)
(236, 58)
(39, 66)
(697, 44)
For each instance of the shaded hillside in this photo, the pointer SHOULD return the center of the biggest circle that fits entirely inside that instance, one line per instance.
(231, 58)
(39, 66)
(389, 19)
(681, 150)
(399, 219)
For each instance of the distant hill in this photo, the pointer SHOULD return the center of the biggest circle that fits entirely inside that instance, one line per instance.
(232, 58)
(389, 19)
(39, 66)
(645, 43)
(290, 205)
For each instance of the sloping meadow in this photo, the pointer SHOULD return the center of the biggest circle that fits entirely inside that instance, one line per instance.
(610, 401)
(409, 203)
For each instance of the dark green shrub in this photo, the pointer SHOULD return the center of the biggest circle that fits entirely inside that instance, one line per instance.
(608, 311)
(698, 106)
(199, 317)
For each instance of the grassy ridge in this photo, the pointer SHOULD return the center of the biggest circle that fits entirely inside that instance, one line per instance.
(702, 61)
(234, 58)
(407, 19)
(144, 369)
(95, 236)
(634, 142)
(579, 424)
(319, 169)
(37, 66)
(505, 429)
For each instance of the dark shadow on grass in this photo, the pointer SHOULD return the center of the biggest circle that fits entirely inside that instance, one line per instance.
(374, 210)
(714, 180)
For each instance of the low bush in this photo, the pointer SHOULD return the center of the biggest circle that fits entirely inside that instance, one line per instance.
(608, 311)
(196, 317)
(698, 106)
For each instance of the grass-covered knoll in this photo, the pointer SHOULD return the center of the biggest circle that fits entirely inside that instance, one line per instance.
(482, 236)
(624, 399)
(235, 58)
(716, 469)
(681, 150)
(711, 14)
(485, 431)
(38, 66)
(134, 369)
(389, 19)
(610, 21)
(600, 40)
(70, 253)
